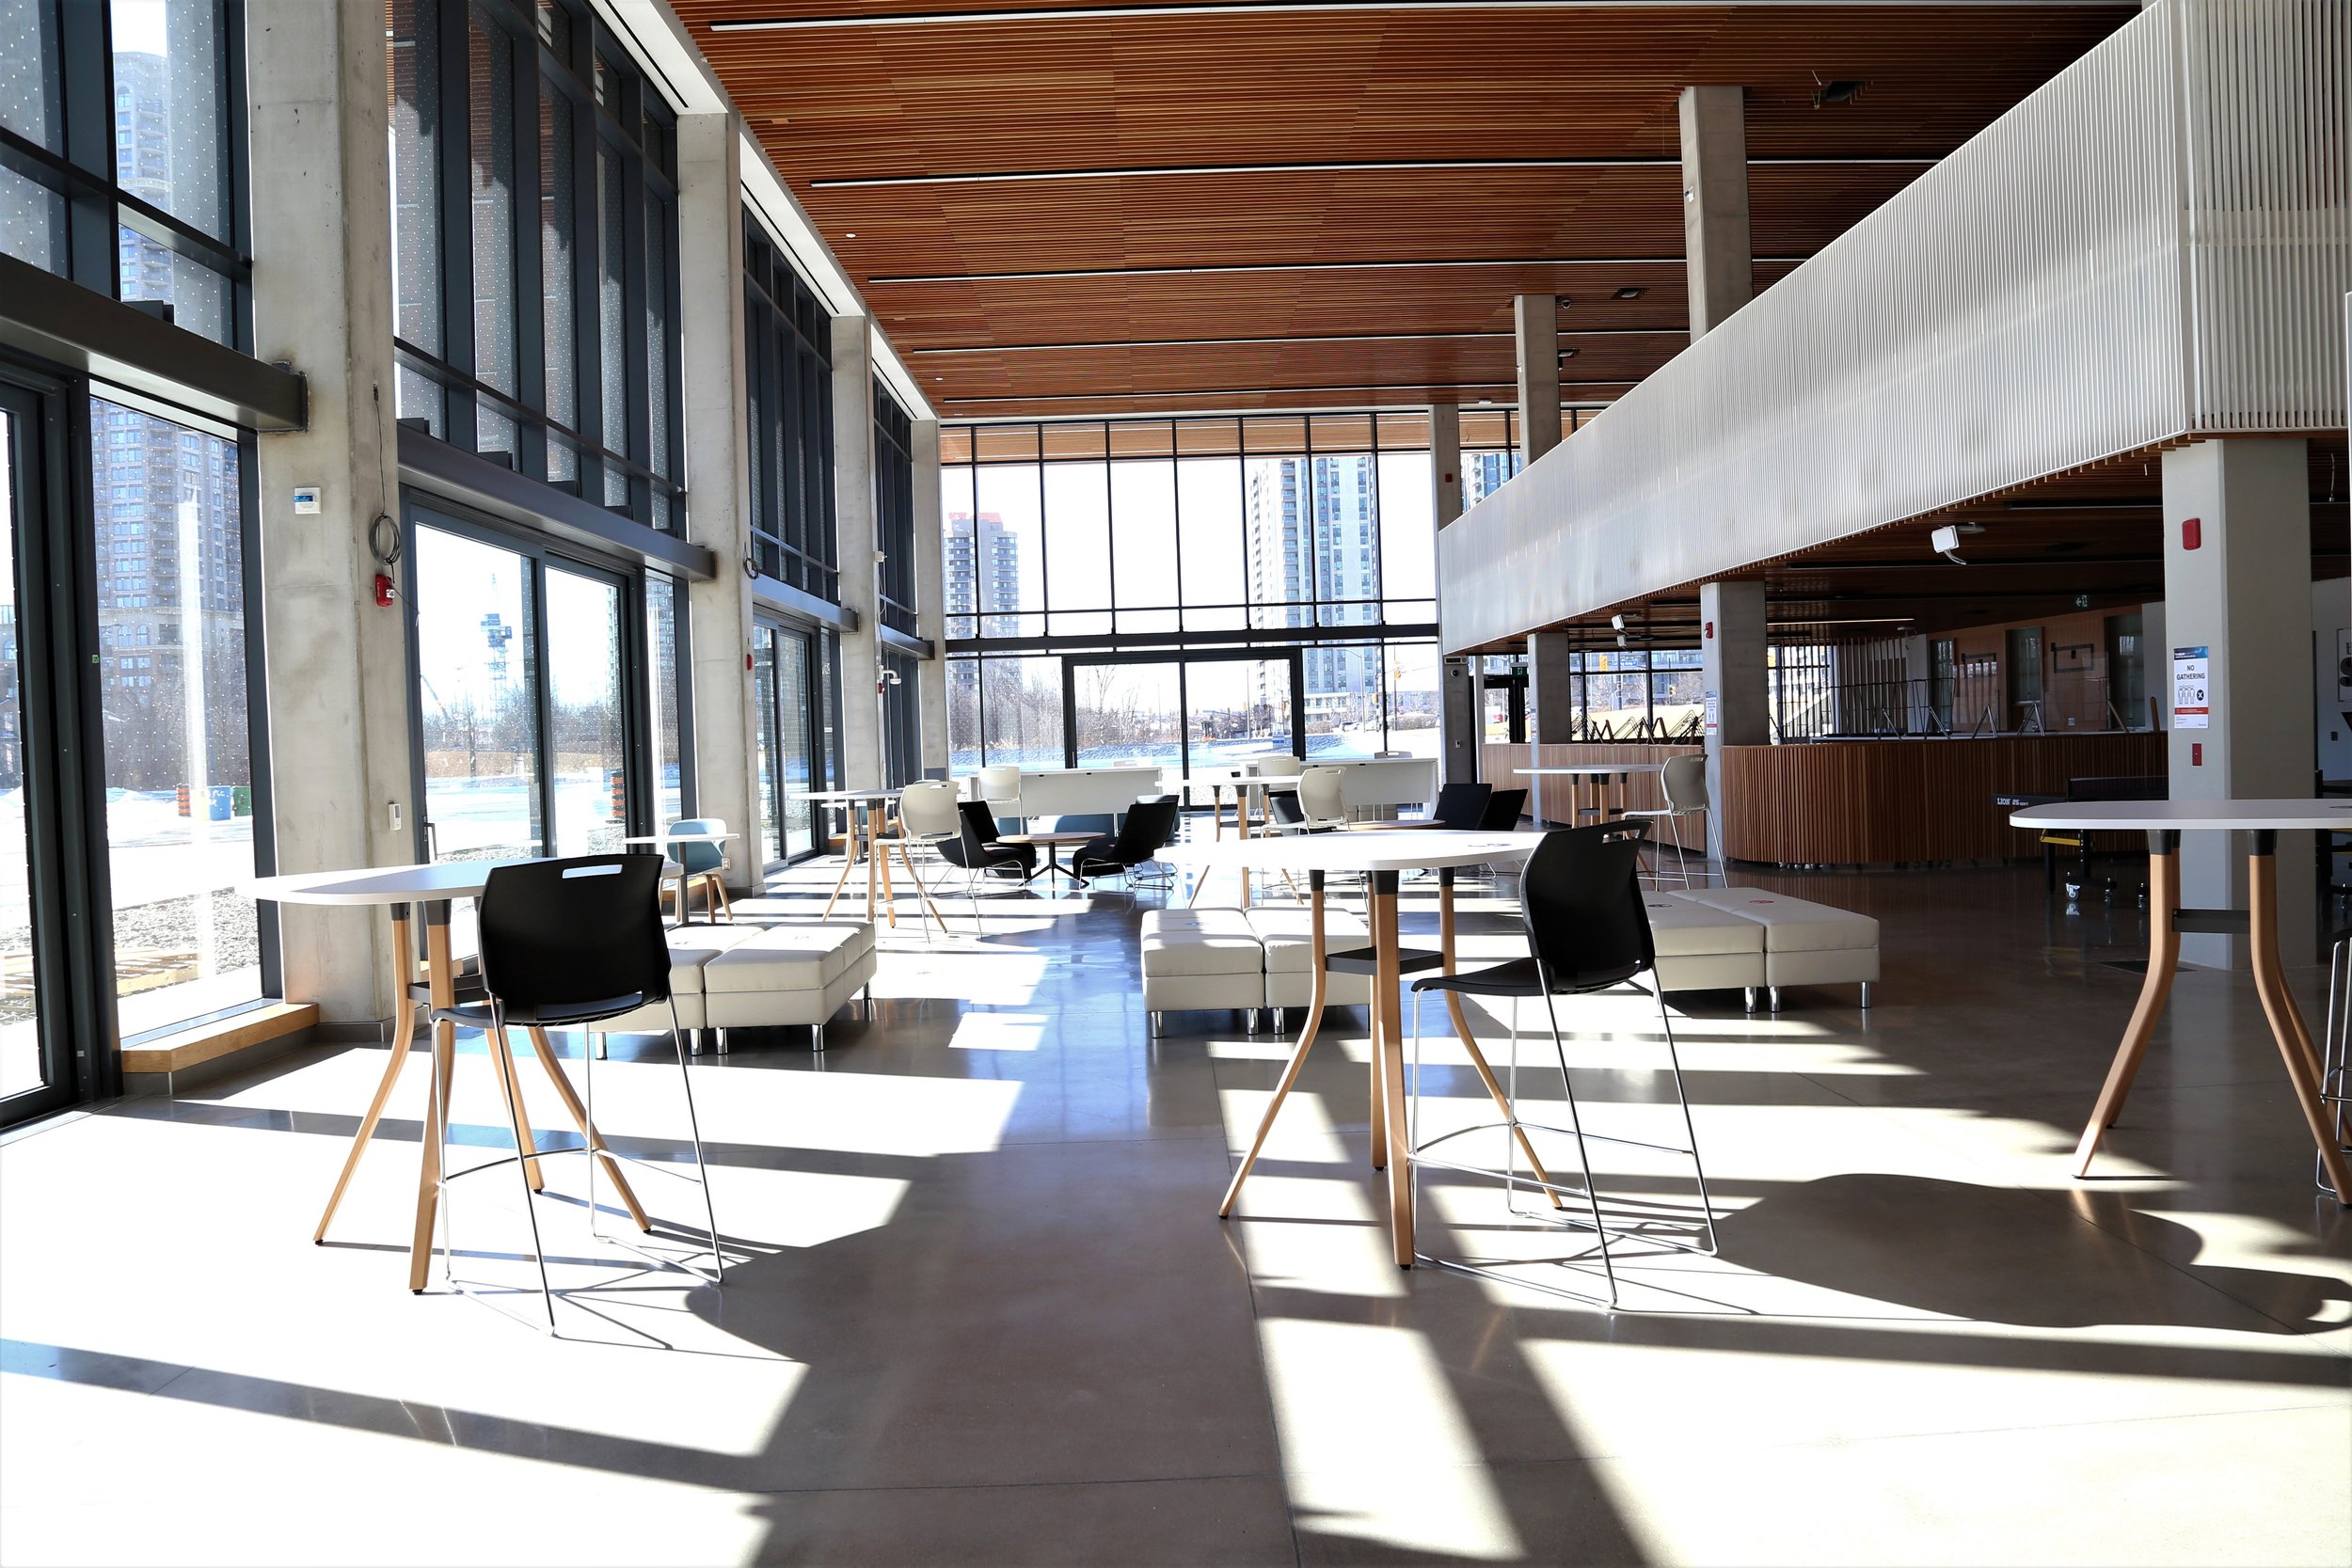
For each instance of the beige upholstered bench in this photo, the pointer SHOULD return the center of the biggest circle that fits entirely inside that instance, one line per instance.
(760, 977)
(1201, 960)
(1804, 943)
(1287, 936)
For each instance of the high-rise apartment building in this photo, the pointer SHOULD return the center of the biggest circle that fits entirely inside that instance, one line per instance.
(1312, 534)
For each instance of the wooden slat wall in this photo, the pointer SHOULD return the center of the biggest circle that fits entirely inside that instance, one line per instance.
(1641, 791)
(1877, 802)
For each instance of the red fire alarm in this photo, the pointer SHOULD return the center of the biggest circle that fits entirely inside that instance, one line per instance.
(383, 590)
(1711, 632)
(2197, 753)
(2192, 532)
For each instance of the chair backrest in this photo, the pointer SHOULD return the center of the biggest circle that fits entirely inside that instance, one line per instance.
(1000, 780)
(1581, 897)
(1281, 764)
(696, 858)
(582, 929)
(1287, 809)
(1503, 810)
(1322, 793)
(1150, 824)
(1685, 784)
(980, 828)
(929, 810)
(1462, 805)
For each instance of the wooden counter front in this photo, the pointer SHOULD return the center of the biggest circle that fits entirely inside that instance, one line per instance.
(1503, 758)
(1861, 802)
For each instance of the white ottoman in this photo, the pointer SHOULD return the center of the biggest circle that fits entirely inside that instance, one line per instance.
(1804, 943)
(1288, 937)
(788, 974)
(690, 948)
(1201, 958)
(1703, 948)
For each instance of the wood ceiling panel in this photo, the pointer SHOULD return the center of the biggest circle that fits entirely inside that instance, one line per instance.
(1108, 97)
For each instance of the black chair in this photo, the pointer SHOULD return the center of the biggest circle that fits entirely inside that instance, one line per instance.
(1581, 901)
(977, 848)
(567, 944)
(1501, 814)
(1462, 805)
(1150, 825)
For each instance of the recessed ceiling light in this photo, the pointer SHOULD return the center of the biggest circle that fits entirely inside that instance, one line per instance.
(849, 234)
(1568, 354)
(1629, 292)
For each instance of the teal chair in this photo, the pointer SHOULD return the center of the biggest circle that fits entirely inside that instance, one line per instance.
(699, 864)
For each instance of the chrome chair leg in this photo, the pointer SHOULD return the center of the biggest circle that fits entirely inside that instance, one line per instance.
(1583, 1157)
(1682, 1097)
(695, 1131)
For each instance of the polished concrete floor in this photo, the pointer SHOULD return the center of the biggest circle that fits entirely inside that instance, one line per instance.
(979, 1307)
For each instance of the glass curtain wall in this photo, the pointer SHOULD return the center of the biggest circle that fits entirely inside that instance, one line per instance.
(1276, 532)
(788, 671)
(535, 218)
(123, 153)
(788, 382)
(894, 506)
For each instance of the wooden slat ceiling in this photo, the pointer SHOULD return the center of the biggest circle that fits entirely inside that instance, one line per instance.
(1418, 263)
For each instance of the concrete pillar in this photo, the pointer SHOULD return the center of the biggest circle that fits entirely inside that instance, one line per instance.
(2240, 595)
(1715, 242)
(1445, 462)
(1463, 718)
(1733, 674)
(717, 473)
(323, 302)
(931, 603)
(1536, 322)
(855, 540)
(1550, 689)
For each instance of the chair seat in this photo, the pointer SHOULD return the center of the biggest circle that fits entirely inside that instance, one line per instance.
(566, 1015)
(1366, 960)
(1519, 977)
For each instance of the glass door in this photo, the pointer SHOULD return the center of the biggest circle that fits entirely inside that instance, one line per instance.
(477, 678)
(26, 1073)
(587, 723)
(1126, 714)
(1241, 707)
(784, 672)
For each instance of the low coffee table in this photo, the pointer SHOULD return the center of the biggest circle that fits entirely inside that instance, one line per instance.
(1050, 843)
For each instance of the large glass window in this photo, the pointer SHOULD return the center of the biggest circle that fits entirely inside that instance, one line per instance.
(133, 189)
(894, 504)
(1311, 532)
(788, 372)
(543, 338)
(665, 679)
(178, 758)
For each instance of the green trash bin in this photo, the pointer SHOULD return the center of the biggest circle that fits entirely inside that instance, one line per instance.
(241, 800)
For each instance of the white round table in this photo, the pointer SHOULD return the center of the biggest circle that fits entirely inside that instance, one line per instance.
(1381, 856)
(2164, 822)
(1603, 771)
(401, 890)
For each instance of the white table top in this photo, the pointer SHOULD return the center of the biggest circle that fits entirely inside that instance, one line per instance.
(682, 838)
(382, 884)
(844, 796)
(1389, 849)
(2190, 815)
(1589, 768)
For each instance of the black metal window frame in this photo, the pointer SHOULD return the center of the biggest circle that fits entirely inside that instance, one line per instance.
(787, 372)
(894, 512)
(565, 57)
(83, 172)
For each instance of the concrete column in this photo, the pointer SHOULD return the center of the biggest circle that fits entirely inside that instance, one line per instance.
(1445, 463)
(1550, 689)
(931, 603)
(1733, 675)
(855, 536)
(1536, 322)
(2241, 595)
(338, 667)
(718, 472)
(1715, 242)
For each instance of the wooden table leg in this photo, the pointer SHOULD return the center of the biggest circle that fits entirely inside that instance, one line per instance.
(1298, 1053)
(849, 864)
(2163, 951)
(1388, 1051)
(442, 986)
(563, 1091)
(873, 873)
(403, 976)
(1469, 1041)
(2286, 1020)
(504, 1058)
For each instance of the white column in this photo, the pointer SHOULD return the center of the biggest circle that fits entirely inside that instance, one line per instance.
(1536, 329)
(2241, 595)
(338, 664)
(855, 536)
(931, 603)
(719, 612)
(1445, 462)
(1715, 240)
(1737, 684)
